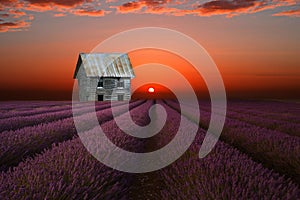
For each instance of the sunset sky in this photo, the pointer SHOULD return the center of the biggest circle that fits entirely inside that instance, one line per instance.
(254, 43)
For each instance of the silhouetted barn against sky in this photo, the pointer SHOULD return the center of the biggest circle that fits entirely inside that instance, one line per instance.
(104, 76)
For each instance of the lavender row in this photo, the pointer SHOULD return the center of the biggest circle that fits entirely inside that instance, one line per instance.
(19, 144)
(283, 126)
(290, 128)
(28, 105)
(281, 116)
(275, 110)
(67, 171)
(276, 150)
(267, 105)
(40, 110)
(22, 121)
(278, 111)
(115, 132)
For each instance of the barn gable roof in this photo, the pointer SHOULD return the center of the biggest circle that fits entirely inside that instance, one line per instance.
(105, 65)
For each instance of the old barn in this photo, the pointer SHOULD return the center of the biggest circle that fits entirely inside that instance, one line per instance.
(104, 76)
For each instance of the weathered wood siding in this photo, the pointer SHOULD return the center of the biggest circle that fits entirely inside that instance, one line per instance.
(82, 84)
(88, 90)
(110, 89)
(87, 86)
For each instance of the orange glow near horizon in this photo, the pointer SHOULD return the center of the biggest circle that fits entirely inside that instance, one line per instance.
(160, 92)
(45, 77)
(183, 67)
(238, 84)
(50, 75)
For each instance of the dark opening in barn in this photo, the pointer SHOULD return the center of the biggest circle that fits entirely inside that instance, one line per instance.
(100, 97)
(120, 97)
(100, 83)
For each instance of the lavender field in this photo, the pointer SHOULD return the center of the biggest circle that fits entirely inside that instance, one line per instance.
(257, 156)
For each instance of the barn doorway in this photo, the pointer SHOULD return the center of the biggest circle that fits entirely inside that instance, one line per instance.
(120, 97)
(100, 97)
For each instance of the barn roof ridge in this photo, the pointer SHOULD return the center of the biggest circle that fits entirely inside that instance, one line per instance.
(111, 64)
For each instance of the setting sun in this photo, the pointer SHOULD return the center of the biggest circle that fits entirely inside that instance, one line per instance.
(151, 90)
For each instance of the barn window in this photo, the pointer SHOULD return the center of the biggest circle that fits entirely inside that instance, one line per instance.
(100, 83)
(120, 84)
(109, 83)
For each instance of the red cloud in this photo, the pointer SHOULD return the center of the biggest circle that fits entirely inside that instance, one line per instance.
(46, 5)
(13, 26)
(236, 7)
(66, 3)
(4, 15)
(93, 13)
(165, 10)
(152, 6)
(130, 6)
(225, 6)
(156, 3)
(7, 1)
(289, 13)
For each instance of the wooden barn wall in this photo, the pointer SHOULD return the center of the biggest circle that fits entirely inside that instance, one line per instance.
(88, 90)
(87, 86)
(82, 84)
(92, 87)
(109, 84)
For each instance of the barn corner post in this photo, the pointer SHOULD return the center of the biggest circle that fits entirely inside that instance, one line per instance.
(104, 76)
